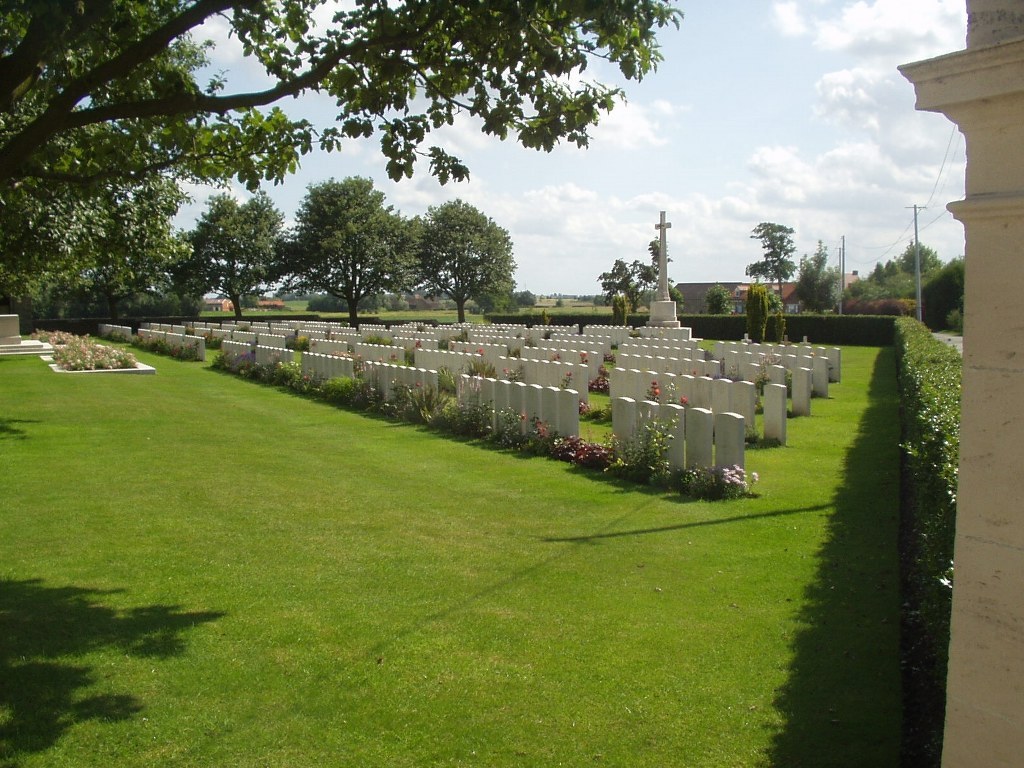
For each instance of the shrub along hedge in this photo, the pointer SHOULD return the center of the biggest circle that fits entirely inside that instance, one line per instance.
(929, 381)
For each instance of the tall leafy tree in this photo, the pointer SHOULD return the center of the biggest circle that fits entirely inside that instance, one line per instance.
(758, 310)
(45, 234)
(136, 245)
(777, 265)
(718, 300)
(464, 255)
(629, 280)
(115, 241)
(817, 285)
(234, 248)
(895, 278)
(347, 243)
(112, 87)
(943, 293)
(930, 261)
(101, 91)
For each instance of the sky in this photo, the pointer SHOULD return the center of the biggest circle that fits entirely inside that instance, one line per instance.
(788, 112)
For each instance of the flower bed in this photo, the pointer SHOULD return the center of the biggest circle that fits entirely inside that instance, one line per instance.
(73, 354)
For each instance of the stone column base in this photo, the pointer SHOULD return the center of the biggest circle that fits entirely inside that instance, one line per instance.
(663, 315)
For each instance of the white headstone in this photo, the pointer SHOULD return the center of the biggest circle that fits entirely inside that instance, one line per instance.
(624, 418)
(729, 440)
(743, 400)
(802, 392)
(700, 437)
(720, 389)
(819, 377)
(775, 412)
(675, 416)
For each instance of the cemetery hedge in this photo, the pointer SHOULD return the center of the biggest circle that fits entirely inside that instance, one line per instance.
(82, 326)
(929, 381)
(853, 330)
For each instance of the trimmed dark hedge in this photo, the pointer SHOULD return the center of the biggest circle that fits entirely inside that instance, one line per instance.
(855, 330)
(89, 325)
(538, 318)
(929, 382)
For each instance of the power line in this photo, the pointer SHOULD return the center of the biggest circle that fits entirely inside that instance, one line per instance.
(942, 167)
(885, 248)
(954, 144)
(917, 262)
(941, 215)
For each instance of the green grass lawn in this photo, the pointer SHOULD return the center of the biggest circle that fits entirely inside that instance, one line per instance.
(196, 570)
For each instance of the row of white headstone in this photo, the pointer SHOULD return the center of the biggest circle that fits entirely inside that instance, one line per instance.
(737, 355)
(545, 373)
(533, 405)
(806, 381)
(699, 437)
(696, 437)
(174, 336)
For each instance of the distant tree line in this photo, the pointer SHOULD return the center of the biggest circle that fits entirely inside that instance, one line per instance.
(347, 245)
(889, 289)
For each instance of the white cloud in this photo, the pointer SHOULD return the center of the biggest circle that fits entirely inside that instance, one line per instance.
(900, 30)
(788, 19)
(632, 125)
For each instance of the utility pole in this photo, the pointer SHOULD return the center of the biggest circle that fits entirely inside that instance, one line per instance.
(842, 271)
(917, 262)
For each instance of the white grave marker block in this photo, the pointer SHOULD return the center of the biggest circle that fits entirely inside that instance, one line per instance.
(624, 418)
(568, 410)
(674, 416)
(534, 410)
(749, 371)
(502, 401)
(700, 437)
(819, 377)
(729, 440)
(835, 364)
(685, 384)
(775, 412)
(701, 392)
(518, 403)
(802, 392)
(743, 400)
(720, 389)
(549, 407)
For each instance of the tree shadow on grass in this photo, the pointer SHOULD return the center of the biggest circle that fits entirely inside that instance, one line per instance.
(841, 701)
(11, 429)
(45, 688)
(597, 537)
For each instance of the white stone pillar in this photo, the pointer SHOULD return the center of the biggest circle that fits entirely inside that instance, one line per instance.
(982, 91)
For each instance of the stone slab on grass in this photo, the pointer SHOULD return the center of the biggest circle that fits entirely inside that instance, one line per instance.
(140, 369)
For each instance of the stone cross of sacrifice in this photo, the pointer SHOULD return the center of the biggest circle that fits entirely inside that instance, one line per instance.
(663, 294)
